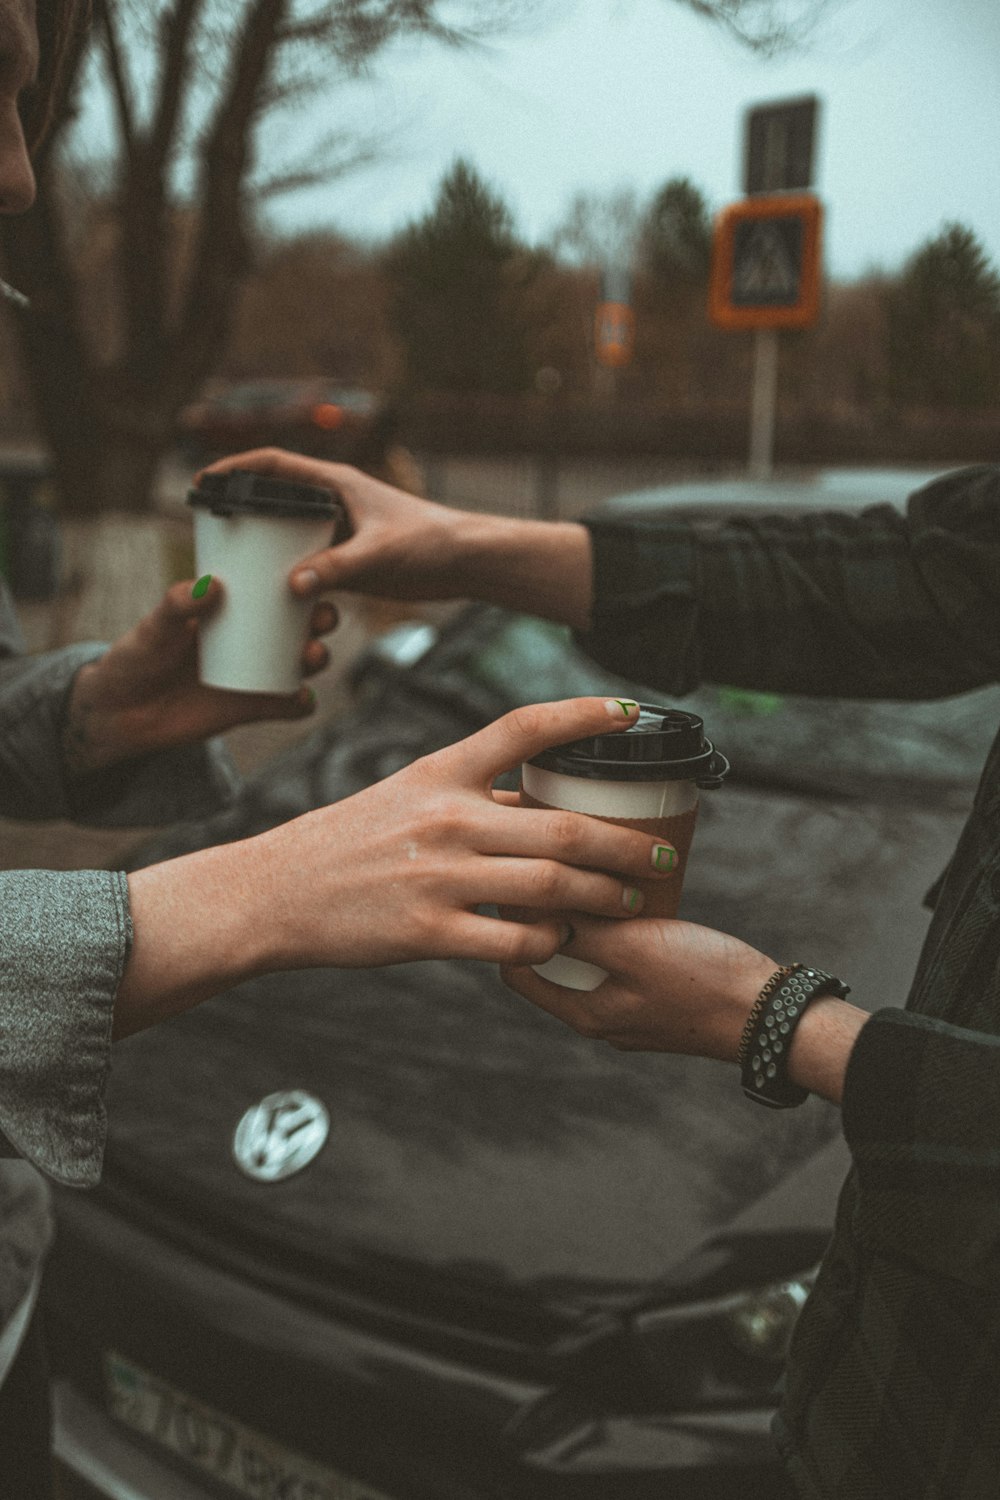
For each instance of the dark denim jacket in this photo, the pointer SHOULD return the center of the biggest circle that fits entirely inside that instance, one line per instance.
(65, 937)
(893, 1382)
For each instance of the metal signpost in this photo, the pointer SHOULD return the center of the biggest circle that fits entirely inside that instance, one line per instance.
(614, 333)
(614, 325)
(766, 253)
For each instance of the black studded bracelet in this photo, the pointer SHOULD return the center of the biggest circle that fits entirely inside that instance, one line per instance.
(770, 1027)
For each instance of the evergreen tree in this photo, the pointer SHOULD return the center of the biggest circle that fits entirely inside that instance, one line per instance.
(943, 323)
(676, 237)
(459, 281)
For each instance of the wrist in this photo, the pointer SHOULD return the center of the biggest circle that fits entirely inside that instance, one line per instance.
(200, 926)
(538, 567)
(85, 744)
(822, 1044)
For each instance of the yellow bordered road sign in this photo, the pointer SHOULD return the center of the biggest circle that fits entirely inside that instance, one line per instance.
(766, 263)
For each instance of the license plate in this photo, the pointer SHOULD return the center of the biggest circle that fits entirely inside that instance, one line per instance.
(249, 1463)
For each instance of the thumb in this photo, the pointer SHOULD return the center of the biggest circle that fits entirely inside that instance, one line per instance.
(598, 940)
(332, 568)
(526, 731)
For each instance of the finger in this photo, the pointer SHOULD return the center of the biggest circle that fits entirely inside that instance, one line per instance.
(575, 1008)
(315, 657)
(520, 914)
(276, 462)
(498, 942)
(333, 567)
(324, 618)
(576, 839)
(250, 708)
(622, 950)
(528, 730)
(178, 608)
(543, 885)
(506, 799)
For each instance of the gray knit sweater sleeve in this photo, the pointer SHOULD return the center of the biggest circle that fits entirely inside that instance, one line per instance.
(65, 936)
(190, 782)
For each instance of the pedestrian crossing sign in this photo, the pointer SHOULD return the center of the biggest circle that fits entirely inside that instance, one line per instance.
(766, 263)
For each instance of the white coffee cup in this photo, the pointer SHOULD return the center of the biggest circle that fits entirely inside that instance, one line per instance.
(249, 532)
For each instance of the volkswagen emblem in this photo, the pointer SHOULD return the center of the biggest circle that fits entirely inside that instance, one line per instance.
(280, 1135)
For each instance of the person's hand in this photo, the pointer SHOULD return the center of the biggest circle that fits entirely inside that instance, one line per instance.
(671, 987)
(406, 548)
(144, 693)
(397, 871)
(401, 547)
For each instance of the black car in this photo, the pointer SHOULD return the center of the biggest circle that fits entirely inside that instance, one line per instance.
(396, 1233)
(327, 418)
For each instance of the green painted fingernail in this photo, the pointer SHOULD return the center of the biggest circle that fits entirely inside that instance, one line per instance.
(631, 898)
(625, 704)
(201, 587)
(311, 696)
(664, 858)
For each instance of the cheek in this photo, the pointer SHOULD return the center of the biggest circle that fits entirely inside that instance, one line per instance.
(17, 179)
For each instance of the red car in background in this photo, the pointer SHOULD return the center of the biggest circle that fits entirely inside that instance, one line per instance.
(318, 416)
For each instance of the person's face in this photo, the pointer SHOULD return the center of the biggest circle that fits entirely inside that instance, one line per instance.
(18, 68)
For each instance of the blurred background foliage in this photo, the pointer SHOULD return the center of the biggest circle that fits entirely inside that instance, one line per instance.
(152, 275)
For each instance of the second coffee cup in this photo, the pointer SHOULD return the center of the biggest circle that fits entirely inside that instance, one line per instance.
(249, 531)
(647, 777)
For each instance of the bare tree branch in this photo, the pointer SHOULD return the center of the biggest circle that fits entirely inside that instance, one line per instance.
(766, 26)
(120, 86)
(176, 37)
(341, 151)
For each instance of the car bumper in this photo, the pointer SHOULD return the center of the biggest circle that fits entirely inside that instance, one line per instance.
(675, 1458)
(367, 1403)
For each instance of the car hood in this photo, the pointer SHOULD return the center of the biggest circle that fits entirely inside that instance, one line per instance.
(483, 1161)
(473, 1139)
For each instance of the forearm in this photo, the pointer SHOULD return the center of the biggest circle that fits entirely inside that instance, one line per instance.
(875, 605)
(200, 927)
(538, 567)
(822, 1045)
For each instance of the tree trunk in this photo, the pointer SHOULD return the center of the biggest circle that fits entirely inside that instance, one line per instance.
(113, 574)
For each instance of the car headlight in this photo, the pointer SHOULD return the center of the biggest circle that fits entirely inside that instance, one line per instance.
(762, 1322)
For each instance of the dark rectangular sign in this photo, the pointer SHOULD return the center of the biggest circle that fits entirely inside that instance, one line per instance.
(779, 146)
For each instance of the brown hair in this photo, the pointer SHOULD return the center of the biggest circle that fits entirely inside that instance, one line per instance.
(61, 27)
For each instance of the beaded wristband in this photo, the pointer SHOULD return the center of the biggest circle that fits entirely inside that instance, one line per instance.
(767, 1037)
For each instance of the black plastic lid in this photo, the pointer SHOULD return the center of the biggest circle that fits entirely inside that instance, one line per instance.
(242, 493)
(664, 744)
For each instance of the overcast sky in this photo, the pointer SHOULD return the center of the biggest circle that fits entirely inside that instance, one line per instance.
(599, 94)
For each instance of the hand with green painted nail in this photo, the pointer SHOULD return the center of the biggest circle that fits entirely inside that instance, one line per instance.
(395, 873)
(144, 694)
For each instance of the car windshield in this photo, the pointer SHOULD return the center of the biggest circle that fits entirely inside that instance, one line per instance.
(251, 397)
(350, 398)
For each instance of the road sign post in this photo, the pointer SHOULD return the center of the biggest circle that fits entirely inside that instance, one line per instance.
(766, 252)
(763, 402)
(765, 277)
